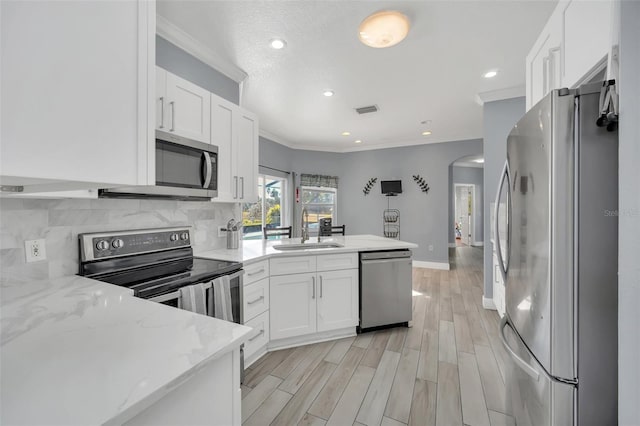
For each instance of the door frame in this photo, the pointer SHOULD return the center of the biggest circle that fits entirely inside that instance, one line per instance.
(472, 222)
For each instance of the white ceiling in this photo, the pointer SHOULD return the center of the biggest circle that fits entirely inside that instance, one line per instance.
(434, 74)
(469, 161)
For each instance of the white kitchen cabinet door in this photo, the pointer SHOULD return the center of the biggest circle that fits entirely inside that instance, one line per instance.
(544, 62)
(293, 305)
(189, 109)
(587, 35)
(77, 94)
(161, 99)
(247, 156)
(223, 134)
(337, 299)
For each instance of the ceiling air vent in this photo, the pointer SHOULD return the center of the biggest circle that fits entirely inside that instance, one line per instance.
(367, 109)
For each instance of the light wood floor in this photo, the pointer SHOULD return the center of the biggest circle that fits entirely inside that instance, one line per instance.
(445, 370)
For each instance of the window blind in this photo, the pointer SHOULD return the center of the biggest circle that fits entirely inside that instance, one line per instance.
(319, 181)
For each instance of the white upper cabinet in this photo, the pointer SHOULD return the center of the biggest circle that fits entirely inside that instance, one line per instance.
(185, 109)
(587, 35)
(77, 94)
(247, 157)
(571, 49)
(235, 131)
(222, 135)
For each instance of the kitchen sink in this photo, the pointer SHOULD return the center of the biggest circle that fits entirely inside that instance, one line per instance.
(288, 247)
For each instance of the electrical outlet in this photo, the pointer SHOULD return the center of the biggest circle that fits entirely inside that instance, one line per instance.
(35, 250)
(222, 231)
(430, 247)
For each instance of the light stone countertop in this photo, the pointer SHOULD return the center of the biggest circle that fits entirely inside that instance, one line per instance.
(255, 250)
(79, 351)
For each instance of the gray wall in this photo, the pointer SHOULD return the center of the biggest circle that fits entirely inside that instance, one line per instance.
(499, 118)
(421, 215)
(470, 175)
(274, 156)
(182, 64)
(59, 222)
(629, 219)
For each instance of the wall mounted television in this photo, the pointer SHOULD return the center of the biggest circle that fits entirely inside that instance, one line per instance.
(391, 187)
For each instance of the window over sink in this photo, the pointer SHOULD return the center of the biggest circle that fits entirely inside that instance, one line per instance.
(269, 211)
(321, 203)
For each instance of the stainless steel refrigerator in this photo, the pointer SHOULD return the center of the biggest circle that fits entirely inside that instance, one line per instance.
(558, 254)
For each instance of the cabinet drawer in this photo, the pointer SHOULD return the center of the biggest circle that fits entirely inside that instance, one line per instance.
(293, 265)
(261, 326)
(335, 262)
(256, 271)
(256, 299)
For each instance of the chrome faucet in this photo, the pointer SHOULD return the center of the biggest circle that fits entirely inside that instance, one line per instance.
(305, 225)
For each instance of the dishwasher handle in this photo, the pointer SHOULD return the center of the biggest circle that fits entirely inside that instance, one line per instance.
(391, 255)
(385, 261)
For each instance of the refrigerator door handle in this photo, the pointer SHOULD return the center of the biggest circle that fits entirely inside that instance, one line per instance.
(501, 264)
(519, 361)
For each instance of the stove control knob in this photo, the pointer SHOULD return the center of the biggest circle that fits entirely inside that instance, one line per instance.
(117, 243)
(184, 236)
(174, 237)
(102, 245)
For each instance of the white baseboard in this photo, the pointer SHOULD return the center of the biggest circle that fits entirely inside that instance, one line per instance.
(478, 244)
(488, 304)
(431, 265)
(309, 339)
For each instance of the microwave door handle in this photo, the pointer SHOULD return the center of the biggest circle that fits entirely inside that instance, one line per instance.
(209, 169)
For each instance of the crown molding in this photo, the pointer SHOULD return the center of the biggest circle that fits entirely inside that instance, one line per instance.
(177, 36)
(358, 148)
(277, 139)
(500, 94)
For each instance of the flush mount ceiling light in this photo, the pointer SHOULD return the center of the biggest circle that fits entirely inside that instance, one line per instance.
(490, 74)
(479, 160)
(383, 29)
(277, 43)
(346, 133)
(328, 93)
(426, 133)
(358, 141)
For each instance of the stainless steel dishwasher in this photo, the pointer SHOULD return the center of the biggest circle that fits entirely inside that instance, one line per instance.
(385, 289)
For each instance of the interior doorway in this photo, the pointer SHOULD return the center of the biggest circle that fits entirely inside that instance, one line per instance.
(464, 214)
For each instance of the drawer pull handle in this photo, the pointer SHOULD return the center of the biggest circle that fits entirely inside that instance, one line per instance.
(256, 272)
(255, 301)
(257, 335)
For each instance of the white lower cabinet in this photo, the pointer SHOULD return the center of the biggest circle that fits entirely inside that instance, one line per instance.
(293, 305)
(337, 302)
(314, 301)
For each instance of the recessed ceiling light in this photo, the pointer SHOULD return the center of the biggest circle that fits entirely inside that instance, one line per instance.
(426, 133)
(479, 160)
(383, 29)
(358, 141)
(346, 133)
(278, 43)
(490, 74)
(328, 93)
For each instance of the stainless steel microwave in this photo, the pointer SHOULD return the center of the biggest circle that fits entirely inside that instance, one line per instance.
(185, 170)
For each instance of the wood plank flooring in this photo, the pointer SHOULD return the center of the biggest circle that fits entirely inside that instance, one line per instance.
(447, 369)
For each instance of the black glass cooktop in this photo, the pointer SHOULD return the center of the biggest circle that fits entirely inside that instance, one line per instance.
(151, 276)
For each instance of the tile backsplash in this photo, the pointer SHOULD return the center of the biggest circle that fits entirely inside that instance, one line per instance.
(59, 222)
